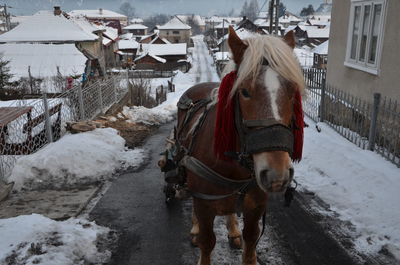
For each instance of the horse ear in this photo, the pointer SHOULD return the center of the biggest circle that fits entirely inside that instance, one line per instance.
(289, 39)
(237, 46)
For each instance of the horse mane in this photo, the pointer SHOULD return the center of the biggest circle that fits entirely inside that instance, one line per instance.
(280, 56)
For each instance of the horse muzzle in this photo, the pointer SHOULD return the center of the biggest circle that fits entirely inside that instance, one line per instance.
(271, 181)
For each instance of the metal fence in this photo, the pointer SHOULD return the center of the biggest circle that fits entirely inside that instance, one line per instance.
(372, 125)
(28, 125)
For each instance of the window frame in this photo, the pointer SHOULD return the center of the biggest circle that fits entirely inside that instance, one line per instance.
(366, 66)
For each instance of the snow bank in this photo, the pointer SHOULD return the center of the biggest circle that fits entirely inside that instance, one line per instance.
(35, 239)
(75, 160)
(358, 184)
(167, 110)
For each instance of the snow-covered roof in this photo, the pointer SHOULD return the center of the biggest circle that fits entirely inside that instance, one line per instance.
(111, 33)
(158, 37)
(217, 19)
(136, 26)
(224, 25)
(175, 23)
(44, 26)
(242, 33)
(98, 14)
(43, 59)
(18, 19)
(318, 33)
(165, 49)
(161, 60)
(85, 25)
(106, 41)
(128, 44)
(136, 20)
(222, 56)
(322, 48)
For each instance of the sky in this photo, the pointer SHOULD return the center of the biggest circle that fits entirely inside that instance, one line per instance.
(148, 7)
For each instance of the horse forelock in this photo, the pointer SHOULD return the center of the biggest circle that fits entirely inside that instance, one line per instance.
(279, 55)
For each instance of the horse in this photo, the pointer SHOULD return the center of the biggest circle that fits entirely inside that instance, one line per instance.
(237, 140)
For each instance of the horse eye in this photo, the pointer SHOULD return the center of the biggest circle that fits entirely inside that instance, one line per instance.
(245, 93)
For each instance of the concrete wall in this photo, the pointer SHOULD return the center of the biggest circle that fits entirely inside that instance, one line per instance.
(357, 82)
(182, 37)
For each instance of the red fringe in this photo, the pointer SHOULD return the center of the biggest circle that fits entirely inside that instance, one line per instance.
(225, 132)
(298, 129)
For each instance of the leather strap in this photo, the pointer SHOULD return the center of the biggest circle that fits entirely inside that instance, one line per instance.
(259, 123)
(197, 167)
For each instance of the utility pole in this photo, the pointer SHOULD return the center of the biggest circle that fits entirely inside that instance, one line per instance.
(271, 15)
(277, 17)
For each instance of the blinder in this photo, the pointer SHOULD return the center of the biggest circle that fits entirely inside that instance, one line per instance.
(277, 137)
(258, 136)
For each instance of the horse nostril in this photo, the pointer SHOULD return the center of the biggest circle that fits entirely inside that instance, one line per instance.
(264, 177)
(291, 173)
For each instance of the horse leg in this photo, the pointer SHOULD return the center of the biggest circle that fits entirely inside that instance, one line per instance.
(194, 232)
(206, 238)
(234, 235)
(251, 232)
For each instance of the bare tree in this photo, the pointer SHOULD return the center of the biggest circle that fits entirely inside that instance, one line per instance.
(128, 10)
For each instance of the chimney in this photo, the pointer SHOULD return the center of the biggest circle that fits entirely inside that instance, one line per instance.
(244, 17)
(101, 11)
(57, 11)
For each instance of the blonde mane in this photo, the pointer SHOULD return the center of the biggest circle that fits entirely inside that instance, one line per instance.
(279, 55)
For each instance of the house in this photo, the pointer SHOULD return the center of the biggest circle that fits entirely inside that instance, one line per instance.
(37, 67)
(364, 58)
(175, 31)
(242, 33)
(321, 55)
(211, 22)
(127, 50)
(309, 35)
(107, 17)
(246, 23)
(171, 52)
(136, 29)
(222, 29)
(54, 30)
(149, 61)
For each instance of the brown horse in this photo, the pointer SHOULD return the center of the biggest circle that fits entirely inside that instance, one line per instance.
(267, 79)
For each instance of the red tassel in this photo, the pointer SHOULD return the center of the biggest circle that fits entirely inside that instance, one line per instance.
(298, 128)
(225, 132)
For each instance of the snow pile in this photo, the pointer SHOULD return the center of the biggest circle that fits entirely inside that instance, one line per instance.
(358, 184)
(35, 239)
(75, 160)
(167, 110)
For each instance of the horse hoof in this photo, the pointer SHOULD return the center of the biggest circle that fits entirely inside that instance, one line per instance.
(193, 241)
(235, 242)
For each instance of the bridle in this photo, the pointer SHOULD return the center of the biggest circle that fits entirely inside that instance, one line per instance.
(256, 136)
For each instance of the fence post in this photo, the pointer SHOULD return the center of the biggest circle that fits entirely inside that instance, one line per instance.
(322, 102)
(374, 119)
(101, 97)
(114, 81)
(49, 131)
(81, 107)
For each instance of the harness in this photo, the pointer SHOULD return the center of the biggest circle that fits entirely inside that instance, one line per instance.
(254, 135)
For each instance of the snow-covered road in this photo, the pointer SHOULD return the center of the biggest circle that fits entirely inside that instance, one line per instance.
(203, 62)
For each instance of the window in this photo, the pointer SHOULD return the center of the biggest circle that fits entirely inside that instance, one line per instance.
(365, 35)
(175, 32)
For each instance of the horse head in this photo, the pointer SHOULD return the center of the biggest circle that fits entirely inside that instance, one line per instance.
(268, 78)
